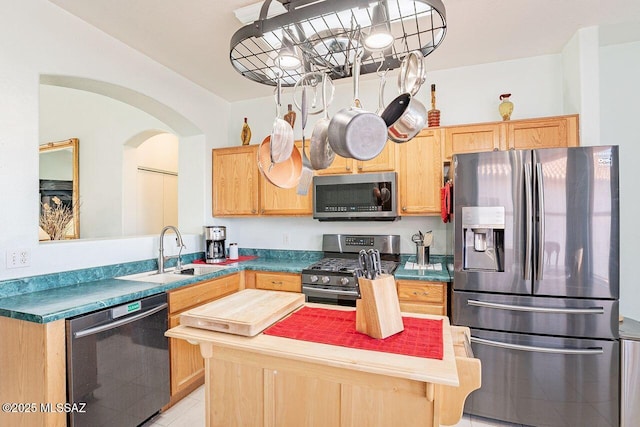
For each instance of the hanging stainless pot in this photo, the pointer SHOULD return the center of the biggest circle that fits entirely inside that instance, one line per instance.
(405, 116)
(320, 152)
(282, 134)
(354, 132)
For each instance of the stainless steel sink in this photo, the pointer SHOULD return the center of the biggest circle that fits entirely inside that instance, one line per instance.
(173, 275)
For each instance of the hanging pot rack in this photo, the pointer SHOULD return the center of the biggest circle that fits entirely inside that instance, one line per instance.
(327, 34)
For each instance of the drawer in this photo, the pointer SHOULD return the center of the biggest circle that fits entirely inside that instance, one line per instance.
(469, 375)
(411, 290)
(416, 307)
(279, 282)
(200, 293)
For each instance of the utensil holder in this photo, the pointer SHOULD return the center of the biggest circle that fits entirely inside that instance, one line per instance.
(422, 255)
(378, 311)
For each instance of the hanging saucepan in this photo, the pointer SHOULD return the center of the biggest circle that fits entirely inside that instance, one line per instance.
(284, 174)
(405, 116)
(412, 73)
(282, 133)
(354, 132)
(320, 152)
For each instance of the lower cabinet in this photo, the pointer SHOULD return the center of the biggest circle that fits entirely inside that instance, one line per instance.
(186, 362)
(418, 296)
(273, 281)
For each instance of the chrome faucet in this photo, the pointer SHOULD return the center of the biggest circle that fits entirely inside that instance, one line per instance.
(179, 242)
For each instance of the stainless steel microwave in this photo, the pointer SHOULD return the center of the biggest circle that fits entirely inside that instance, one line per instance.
(363, 197)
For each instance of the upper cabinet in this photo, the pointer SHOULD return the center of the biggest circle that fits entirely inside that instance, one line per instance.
(550, 132)
(547, 132)
(473, 139)
(383, 162)
(420, 173)
(284, 201)
(239, 189)
(235, 181)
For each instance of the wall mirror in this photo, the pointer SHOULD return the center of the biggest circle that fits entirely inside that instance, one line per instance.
(59, 190)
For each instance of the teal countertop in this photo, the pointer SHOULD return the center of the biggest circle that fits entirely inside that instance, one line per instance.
(51, 297)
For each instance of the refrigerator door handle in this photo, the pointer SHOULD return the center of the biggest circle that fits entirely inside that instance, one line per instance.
(528, 223)
(541, 230)
(586, 310)
(596, 350)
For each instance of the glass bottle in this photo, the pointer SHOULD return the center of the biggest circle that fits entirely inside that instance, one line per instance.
(290, 116)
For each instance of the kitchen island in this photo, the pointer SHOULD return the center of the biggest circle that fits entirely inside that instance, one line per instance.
(269, 380)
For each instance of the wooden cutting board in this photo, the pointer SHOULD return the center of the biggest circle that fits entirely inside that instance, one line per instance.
(247, 312)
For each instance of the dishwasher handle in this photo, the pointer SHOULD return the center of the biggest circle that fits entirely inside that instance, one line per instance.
(586, 351)
(117, 323)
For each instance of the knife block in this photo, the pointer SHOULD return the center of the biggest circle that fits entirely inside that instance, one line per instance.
(378, 310)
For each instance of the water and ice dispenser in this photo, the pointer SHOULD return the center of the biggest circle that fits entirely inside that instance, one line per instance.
(483, 232)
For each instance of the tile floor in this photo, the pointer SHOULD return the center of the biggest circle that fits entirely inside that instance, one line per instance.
(189, 412)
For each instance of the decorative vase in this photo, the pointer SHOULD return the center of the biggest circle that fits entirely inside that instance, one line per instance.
(290, 116)
(505, 107)
(433, 115)
(245, 134)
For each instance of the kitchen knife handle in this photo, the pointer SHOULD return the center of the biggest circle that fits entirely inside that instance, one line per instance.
(541, 225)
(528, 224)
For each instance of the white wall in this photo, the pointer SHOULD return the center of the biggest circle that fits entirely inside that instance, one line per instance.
(38, 38)
(619, 93)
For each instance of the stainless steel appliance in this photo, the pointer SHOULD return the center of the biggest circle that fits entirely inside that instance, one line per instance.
(332, 280)
(215, 237)
(118, 364)
(536, 279)
(363, 197)
(630, 373)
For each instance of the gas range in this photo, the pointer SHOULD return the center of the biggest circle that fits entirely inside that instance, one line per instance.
(332, 279)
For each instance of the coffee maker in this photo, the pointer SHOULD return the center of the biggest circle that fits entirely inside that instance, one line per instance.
(215, 237)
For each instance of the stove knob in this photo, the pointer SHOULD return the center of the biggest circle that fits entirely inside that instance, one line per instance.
(344, 281)
(325, 279)
(313, 278)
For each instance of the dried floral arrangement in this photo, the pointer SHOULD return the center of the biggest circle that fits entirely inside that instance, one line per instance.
(55, 219)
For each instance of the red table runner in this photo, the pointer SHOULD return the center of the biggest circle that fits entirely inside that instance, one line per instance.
(421, 337)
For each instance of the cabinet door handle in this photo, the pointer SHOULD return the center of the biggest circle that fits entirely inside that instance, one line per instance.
(360, 168)
(273, 282)
(418, 293)
(348, 168)
(404, 208)
(253, 211)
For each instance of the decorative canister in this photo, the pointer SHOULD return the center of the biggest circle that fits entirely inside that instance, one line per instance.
(505, 107)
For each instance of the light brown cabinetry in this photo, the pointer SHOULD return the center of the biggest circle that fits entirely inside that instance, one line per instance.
(420, 174)
(235, 181)
(273, 281)
(417, 296)
(545, 132)
(186, 362)
(239, 189)
(384, 162)
(550, 132)
(473, 138)
(284, 201)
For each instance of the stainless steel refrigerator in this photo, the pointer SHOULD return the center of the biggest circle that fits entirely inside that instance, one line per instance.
(536, 259)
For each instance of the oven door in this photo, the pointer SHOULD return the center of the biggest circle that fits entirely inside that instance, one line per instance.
(329, 296)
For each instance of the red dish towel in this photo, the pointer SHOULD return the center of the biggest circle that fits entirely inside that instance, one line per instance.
(445, 202)
(421, 337)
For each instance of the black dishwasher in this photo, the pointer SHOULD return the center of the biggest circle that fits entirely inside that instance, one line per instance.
(118, 364)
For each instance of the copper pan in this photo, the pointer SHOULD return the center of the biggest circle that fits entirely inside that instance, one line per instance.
(285, 174)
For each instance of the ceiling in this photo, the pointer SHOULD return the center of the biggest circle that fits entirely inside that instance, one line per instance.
(192, 37)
